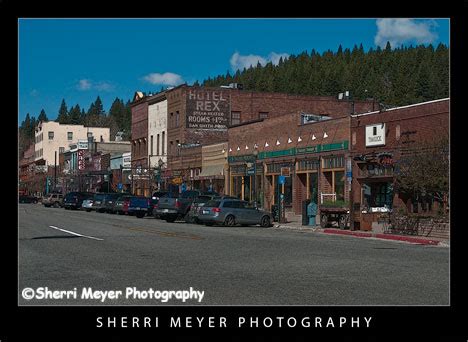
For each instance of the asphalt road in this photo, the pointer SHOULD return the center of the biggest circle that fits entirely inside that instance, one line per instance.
(233, 266)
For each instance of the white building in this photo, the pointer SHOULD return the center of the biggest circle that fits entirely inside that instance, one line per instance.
(52, 137)
(157, 130)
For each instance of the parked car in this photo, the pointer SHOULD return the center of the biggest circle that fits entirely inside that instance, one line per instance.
(175, 206)
(199, 202)
(109, 201)
(231, 212)
(87, 204)
(120, 205)
(155, 200)
(139, 206)
(74, 200)
(99, 201)
(53, 200)
(27, 199)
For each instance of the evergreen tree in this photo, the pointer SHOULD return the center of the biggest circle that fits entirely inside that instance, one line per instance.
(42, 116)
(62, 117)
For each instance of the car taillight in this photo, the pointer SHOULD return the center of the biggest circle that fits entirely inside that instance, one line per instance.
(216, 210)
(177, 203)
(155, 206)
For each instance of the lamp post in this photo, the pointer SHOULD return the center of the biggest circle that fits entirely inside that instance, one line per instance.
(160, 164)
(255, 153)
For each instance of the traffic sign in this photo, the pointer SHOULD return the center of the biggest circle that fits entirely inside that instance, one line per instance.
(281, 179)
(120, 186)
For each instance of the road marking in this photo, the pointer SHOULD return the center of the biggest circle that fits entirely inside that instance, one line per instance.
(73, 233)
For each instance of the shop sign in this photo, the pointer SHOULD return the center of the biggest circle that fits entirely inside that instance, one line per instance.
(244, 158)
(177, 181)
(208, 109)
(82, 144)
(375, 135)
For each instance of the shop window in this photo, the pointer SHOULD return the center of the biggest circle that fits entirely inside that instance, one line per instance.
(313, 186)
(308, 164)
(339, 185)
(335, 162)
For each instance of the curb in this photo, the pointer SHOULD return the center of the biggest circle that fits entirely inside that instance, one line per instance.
(409, 239)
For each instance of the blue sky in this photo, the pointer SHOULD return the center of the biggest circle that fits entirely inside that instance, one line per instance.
(79, 59)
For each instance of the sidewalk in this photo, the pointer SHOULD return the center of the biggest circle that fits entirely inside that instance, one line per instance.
(363, 234)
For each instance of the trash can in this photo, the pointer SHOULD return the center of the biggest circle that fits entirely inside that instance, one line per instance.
(312, 213)
(305, 218)
(275, 212)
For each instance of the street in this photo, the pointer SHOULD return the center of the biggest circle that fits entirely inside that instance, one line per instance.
(233, 266)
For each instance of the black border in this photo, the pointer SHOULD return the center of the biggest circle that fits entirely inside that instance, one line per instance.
(389, 323)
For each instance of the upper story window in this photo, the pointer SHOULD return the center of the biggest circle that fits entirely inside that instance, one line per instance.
(263, 115)
(177, 119)
(70, 135)
(336, 162)
(235, 118)
(51, 135)
(90, 134)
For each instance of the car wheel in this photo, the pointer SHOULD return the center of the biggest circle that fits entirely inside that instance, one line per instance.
(171, 219)
(265, 222)
(139, 215)
(230, 221)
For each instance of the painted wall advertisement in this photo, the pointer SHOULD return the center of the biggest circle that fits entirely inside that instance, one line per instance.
(208, 109)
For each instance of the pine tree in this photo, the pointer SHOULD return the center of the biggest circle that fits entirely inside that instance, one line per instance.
(42, 116)
(62, 117)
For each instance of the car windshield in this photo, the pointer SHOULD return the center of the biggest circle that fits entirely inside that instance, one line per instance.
(212, 204)
(99, 197)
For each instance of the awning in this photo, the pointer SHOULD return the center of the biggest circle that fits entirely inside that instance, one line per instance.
(216, 170)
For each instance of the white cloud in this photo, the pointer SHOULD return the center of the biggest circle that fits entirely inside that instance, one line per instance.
(87, 84)
(239, 62)
(168, 78)
(104, 86)
(84, 84)
(399, 31)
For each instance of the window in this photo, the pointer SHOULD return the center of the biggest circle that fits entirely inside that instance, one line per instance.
(51, 135)
(157, 144)
(333, 162)
(374, 130)
(90, 135)
(61, 149)
(70, 135)
(177, 119)
(102, 140)
(171, 148)
(152, 145)
(263, 115)
(235, 118)
(171, 120)
(163, 142)
(178, 147)
(307, 164)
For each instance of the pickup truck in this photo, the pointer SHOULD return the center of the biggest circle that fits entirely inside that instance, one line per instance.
(176, 206)
(140, 206)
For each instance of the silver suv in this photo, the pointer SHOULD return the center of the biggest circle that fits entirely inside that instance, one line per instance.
(230, 212)
(53, 200)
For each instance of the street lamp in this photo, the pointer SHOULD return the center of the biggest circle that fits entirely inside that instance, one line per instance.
(255, 153)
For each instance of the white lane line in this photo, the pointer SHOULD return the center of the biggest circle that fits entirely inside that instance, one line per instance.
(69, 232)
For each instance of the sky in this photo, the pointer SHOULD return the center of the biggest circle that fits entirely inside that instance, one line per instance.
(79, 59)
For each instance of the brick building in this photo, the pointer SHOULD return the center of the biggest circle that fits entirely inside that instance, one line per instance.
(378, 141)
(313, 148)
(200, 115)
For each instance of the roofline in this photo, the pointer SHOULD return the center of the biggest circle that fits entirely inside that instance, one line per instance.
(402, 107)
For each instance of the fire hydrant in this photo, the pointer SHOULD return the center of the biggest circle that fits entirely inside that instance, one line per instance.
(312, 213)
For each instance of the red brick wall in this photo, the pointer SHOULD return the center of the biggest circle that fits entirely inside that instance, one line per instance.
(423, 123)
(250, 104)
